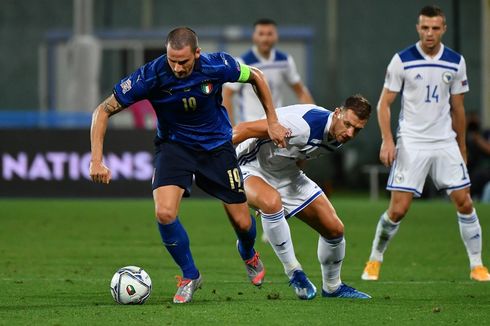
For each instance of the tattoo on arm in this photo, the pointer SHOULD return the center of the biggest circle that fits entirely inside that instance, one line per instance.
(111, 105)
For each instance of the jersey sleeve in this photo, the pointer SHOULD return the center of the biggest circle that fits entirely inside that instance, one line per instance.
(295, 123)
(292, 75)
(136, 86)
(460, 81)
(394, 75)
(231, 70)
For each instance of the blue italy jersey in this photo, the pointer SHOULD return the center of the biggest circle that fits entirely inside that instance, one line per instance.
(189, 110)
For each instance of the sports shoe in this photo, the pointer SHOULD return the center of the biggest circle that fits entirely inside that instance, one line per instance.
(255, 269)
(305, 290)
(480, 273)
(186, 288)
(371, 271)
(345, 291)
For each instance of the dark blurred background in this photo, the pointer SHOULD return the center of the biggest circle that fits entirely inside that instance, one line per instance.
(60, 58)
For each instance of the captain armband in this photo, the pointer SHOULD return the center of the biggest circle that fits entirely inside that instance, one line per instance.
(244, 73)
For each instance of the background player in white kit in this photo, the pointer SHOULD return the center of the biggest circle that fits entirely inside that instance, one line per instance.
(276, 186)
(430, 140)
(278, 67)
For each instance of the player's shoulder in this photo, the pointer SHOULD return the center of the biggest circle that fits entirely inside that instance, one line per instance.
(410, 53)
(281, 55)
(215, 61)
(449, 55)
(157, 69)
(249, 57)
(304, 112)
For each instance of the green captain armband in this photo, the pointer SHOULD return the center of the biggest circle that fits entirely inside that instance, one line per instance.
(244, 73)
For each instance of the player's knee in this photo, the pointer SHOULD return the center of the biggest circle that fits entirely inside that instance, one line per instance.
(465, 206)
(337, 231)
(271, 204)
(165, 215)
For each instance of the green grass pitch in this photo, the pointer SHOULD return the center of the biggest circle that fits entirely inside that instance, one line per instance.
(57, 258)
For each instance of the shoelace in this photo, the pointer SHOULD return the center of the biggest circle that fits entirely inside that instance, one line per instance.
(182, 281)
(301, 281)
(254, 261)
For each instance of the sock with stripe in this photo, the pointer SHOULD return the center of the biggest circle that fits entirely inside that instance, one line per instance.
(331, 253)
(277, 230)
(176, 241)
(385, 231)
(469, 227)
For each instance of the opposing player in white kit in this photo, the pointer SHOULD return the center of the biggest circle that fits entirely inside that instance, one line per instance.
(430, 140)
(278, 67)
(276, 186)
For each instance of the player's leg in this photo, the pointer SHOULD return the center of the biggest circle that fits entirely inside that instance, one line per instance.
(218, 174)
(471, 233)
(322, 217)
(245, 229)
(406, 180)
(265, 198)
(172, 179)
(449, 172)
(386, 229)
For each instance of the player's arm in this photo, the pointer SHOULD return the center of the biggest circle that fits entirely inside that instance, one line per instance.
(277, 132)
(100, 119)
(250, 129)
(387, 151)
(459, 122)
(302, 93)
(227, 94)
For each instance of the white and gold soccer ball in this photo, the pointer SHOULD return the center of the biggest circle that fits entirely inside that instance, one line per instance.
(131, 285)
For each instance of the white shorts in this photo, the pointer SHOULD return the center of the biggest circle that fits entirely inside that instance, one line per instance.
(296, 190)
(445, 166)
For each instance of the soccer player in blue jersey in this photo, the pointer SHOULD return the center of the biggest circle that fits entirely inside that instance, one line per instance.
(193, 140)
(430, 140)
(278, 189)
(278, 67)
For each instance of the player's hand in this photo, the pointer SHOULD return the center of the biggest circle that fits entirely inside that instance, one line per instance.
(387, 152)
(278, 134)
(99, 172)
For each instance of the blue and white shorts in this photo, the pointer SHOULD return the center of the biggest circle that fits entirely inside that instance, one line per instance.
(296, 190)
(445, 166)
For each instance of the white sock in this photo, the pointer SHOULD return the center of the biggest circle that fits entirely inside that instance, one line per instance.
(277, 231)
(385, 230)
(331, 253)
(470, 230)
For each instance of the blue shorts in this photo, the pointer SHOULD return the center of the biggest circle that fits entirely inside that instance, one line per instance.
(216, 171)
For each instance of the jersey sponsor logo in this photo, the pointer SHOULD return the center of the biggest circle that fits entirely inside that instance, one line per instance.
(126, 86)
(207, 87)
(447, 77)
(418, 77)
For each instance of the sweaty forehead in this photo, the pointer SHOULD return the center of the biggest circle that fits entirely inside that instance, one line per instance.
(352, 118)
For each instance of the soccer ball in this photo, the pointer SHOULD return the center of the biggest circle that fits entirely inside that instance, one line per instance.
(131, 285)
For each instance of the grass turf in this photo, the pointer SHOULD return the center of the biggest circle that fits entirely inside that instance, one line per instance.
(57, 258)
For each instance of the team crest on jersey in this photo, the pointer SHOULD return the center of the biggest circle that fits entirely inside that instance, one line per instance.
(207, 87)
(447, 77)
(126, 86)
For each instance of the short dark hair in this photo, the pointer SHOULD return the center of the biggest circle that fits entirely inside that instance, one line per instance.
(432, 11)
(265, 21)
(181, 37)
(359, 104)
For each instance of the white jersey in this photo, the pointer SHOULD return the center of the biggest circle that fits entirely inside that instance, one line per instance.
(280, 72)
(426, 84)
(309, 125)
